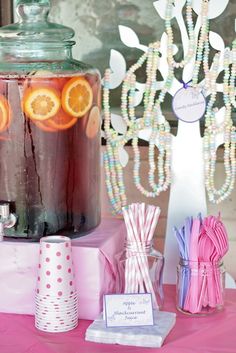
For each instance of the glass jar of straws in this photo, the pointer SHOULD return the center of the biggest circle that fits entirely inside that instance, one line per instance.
(200, 287)
(140, 270)
(140, 267)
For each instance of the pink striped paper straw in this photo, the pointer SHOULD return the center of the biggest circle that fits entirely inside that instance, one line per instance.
(142, 230)
(141, 222)
(132, 265)
(142, 263)
(153, 223)
(129, 266)
(132, 273)
(149, 216)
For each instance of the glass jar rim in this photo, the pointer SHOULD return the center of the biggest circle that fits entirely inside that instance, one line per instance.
(43, 44)
(187, 262)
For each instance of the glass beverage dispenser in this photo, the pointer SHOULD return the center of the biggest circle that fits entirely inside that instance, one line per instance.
(49, 128)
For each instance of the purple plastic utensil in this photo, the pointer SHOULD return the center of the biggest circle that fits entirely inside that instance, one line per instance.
(181, 242)
(191, 302)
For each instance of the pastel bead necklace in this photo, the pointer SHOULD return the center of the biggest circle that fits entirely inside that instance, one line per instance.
(232, 88)
(169, 31)
(226, 129)
(202, 54)
(152, 118)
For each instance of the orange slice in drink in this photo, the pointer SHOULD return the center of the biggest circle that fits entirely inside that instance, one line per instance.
(61, 121)
(41, 103)
(5, 113)
(77, 97)
(43, 125)
(93, 124)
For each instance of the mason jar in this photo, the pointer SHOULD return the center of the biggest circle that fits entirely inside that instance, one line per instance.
(200, 287)
(140, 270)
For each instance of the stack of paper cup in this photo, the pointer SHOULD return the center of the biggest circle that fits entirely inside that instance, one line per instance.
(56, 300)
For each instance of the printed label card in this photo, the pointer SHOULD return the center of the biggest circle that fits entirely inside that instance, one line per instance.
(189, 104)
(122, 310)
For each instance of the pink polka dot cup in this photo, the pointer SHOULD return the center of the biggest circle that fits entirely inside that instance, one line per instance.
(55, 271)
(56, 299)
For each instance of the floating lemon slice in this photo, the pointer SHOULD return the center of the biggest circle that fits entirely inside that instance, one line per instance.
(5, 113)
(77, 97)
(41, 103)
(93, 125)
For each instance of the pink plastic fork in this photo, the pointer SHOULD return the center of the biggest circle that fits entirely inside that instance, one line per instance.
(205, 251)
(218, 235)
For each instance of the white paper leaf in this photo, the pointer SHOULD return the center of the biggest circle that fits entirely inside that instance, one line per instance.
(142, 47)
(179, 4)
(123, 156)
(163, 66)
(216, 41)
(118, 123)
(163, 45)
(176, 85)
(160, 7)
(220, 116)
(219, 139)
(118, 68)
(140, 87)
(129, 37)
(221, 62)
(187, 74)
(219, 87)
(216, 7)
(175, 49)
(145, 134)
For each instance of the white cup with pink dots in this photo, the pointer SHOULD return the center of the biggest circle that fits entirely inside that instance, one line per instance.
(56, 300)
(55, 273)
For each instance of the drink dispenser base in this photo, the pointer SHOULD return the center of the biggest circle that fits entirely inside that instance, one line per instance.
(49, 128)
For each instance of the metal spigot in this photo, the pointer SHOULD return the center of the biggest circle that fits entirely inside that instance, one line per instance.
(7, 219)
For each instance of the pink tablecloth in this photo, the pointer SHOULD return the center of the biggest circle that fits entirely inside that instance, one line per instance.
(213, 334)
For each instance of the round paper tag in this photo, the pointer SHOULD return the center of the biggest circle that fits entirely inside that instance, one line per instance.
(189, 104)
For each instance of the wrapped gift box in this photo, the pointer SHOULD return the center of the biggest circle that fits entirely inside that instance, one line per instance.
(94, 262)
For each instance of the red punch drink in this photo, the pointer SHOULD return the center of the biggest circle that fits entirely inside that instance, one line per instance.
(50, 152)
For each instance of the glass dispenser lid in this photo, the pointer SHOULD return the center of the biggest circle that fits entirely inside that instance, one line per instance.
(33, 25)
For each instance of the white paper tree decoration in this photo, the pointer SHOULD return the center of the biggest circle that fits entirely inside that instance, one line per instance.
(187, 196)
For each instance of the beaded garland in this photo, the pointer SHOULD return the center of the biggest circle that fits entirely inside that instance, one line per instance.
(154, 120)
(232, 85)
(190, 27)
(227, 129)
